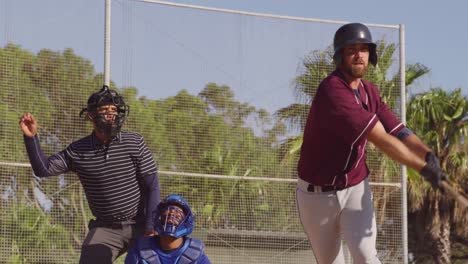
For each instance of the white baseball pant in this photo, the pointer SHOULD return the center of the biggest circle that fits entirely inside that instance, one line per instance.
(328, 216)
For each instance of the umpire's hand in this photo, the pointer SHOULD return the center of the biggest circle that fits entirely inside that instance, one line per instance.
(28, 125)
(150, 233)
(432, 171)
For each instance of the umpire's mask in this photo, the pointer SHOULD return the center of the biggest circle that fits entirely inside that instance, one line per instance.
(107, 109)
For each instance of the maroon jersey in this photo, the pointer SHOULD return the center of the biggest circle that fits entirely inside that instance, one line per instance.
(334, 148)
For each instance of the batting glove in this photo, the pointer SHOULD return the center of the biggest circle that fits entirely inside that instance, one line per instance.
(432, 171)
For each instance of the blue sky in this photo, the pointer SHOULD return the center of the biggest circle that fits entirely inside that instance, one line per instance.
(435, 36)
(436, 31)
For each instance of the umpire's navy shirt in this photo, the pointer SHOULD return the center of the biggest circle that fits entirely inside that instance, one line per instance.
(334, 147)
(112, 175)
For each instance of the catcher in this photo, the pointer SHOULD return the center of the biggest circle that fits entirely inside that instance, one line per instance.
(173, 222)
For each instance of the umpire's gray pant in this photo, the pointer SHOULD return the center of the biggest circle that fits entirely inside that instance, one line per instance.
(104, 244)
(327, 216)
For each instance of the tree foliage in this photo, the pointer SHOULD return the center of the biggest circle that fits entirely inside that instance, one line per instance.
(208, 133)
(439, 118)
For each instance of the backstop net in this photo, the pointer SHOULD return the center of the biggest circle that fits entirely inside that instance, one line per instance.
(221, 98)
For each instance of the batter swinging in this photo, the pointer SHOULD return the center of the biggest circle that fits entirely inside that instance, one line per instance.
(333, 193)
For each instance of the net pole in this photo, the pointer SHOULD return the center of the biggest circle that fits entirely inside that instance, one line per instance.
(107, 39)
(404, 196)
(239, 12)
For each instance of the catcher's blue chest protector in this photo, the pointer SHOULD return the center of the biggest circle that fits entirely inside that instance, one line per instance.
(188, 253)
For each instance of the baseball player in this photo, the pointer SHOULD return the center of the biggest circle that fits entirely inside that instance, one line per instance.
(174, 222)
(116, 170)
(333, 194)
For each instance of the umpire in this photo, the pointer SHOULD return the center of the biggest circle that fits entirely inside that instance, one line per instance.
(333, 193)
(116, 170)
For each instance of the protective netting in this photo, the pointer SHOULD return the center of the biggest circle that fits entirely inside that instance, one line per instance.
(221, 99)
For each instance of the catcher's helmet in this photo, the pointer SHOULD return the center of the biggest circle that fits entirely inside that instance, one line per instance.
(353, 33)
(174, 217)
(106, 96)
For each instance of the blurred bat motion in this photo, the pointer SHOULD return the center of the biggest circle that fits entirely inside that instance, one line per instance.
(459, 197)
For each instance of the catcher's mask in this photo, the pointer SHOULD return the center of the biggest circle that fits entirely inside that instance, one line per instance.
(174, 217)
(353, 33)
(110, 127)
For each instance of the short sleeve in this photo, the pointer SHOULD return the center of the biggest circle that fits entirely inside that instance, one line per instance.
(388, 119)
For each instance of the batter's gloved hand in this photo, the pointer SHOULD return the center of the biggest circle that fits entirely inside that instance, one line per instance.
(432, 171)
(432, 158)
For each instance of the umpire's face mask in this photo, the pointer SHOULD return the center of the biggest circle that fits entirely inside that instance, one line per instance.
(108, 121)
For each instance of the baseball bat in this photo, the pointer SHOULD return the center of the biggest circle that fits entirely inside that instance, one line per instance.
(455, 195)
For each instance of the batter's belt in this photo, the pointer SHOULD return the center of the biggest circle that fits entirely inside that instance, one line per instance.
(307, 187)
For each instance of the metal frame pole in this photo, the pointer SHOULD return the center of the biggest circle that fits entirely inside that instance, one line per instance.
(404, 176)
(107, 44)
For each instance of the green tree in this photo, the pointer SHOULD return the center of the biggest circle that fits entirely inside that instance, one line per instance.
(439, 118)
(54, 86)
(210, 133)
(37, 239)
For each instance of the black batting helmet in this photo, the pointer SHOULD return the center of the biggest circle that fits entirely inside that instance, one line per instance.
(354, 33)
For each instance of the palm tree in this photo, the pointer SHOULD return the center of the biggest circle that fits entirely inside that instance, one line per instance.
(439, 118)
(315, 67)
